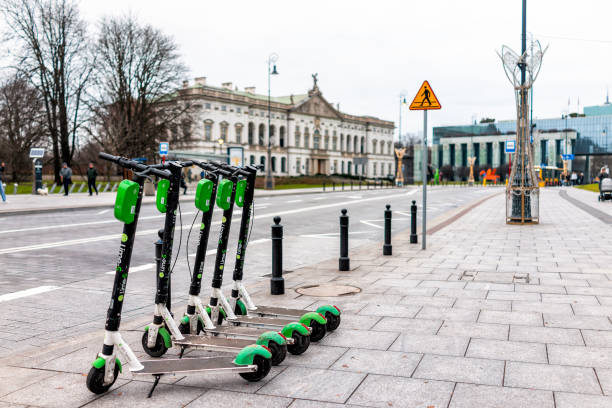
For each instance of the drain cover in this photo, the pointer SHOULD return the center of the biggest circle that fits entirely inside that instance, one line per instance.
(328, 290)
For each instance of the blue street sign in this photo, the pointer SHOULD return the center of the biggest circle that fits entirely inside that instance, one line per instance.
(568, 156)
(163, 148)
(510, 146)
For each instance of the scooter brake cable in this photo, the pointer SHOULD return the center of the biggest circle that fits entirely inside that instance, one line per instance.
(188, 236)
(178, 251)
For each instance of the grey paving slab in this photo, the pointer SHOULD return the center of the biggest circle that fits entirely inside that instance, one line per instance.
(478, 330)
(462, 293)
(389, 391)
(389, 310)
(432, 344)
(461, 369)
(580, 356)
(560, 308)
(567, 400)
(61, 390)
(300, 403)
(551, 377)
(570, 299)
(359, 322)
(592, 310)
(605, 379)
(437, 301)
(486, 396)
(540, 289)
(483, 304)
(448, 314)
(396, 324)
(134, 394)
(577, 322)
(317, 356)
(237, 399)
(546, 335)
(597, 338)
(378, 362)
(522, 296)
(15, 378)
(314, 384)
(522, 318)
(228, 382)
(376, 340)
(507, 350)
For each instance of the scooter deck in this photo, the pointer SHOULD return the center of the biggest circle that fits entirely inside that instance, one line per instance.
(257, 321)
(213, 343)
(239, 332)
(282, 312)
(193, 365)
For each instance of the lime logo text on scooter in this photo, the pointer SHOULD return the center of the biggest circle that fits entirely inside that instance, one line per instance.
(124, 237)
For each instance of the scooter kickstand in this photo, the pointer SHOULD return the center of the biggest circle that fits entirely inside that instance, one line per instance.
(182, 351)
(157, 377)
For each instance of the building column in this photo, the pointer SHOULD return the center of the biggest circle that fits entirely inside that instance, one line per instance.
(445, 154)
(496, 154)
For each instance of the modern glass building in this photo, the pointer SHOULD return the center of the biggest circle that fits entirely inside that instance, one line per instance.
(591, 148)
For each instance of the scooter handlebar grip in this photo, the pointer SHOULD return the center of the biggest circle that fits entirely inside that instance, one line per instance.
(165, 174)
(108, 157)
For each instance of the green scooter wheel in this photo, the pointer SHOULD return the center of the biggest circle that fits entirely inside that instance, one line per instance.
(95, 380)
(159, 349)
(185, 328)
(263, 368)
(279, 352)
(332, 321)
(300, 345)
(318, 331)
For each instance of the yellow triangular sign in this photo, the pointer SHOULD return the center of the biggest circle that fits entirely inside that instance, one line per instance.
(425, 99)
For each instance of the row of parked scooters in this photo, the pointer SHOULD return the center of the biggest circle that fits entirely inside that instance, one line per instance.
(251, 338)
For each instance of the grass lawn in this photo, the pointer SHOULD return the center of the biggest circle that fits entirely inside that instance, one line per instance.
(590, 187)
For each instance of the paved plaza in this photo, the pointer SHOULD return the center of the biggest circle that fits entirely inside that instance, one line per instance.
(490, 315)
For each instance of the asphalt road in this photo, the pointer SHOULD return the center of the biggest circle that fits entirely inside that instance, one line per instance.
(58, 267)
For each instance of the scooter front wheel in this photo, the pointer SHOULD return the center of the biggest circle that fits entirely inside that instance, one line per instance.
(263, 368)
(159, 349)
(318, 331)
(95, 380)
(300, 344)
(332, 321)
(279, 352)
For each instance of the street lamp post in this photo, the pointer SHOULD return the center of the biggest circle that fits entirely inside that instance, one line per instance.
(269, 181)
(402, 101)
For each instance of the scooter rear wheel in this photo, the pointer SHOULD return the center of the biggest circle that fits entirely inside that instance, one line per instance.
(279, 352)
(95, 380)
(300, 344)
(318, 331)
(159, 349)
(263, 368)
(332, 321)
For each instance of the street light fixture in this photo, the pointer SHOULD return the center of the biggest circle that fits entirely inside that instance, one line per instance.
(269, 180)
(402, 101)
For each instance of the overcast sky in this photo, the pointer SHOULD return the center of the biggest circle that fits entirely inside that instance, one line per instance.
(367, 52)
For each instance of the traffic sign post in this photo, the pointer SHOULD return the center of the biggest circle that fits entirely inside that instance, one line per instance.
(36, 154)
(510, 146)
(164, 147)
(568, 157)
(425, 100)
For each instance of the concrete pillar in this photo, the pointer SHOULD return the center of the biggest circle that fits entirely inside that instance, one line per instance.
(445, 154)
(496, 154)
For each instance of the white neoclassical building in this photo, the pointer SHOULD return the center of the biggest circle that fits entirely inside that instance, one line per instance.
(308, 134)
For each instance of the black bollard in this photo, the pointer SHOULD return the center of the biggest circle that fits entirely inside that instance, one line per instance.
(277, 282)
(323, 186)
(343, 186)
(387, 248)
(413, 214)
(344, 261)
(334, 186)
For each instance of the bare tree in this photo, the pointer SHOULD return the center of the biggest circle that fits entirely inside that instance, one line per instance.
(21, 124)
(52, 53)
(137, 75)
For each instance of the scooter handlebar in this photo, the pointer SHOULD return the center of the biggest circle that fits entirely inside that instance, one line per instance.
(212, 168)
(134, 165)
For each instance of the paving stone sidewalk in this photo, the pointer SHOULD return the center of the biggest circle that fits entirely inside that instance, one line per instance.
(490, 315)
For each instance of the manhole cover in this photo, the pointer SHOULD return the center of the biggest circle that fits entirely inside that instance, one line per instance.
(328, 290)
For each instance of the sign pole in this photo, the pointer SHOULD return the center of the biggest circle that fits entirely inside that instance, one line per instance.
(425, 159)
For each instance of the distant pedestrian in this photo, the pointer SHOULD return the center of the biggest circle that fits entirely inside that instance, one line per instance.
(574, 178)
(183, 184)
(92, 174)
(581, 178)
(189, 175)
(66, 175)
(1, 181)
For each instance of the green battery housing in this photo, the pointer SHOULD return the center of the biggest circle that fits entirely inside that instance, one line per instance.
(240, 190)
(125, 202)
(203, 195)
(162, 195)
(224, 193)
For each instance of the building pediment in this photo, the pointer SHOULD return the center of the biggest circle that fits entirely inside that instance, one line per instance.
(316, 105)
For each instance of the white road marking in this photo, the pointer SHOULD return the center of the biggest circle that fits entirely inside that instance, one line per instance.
(136, 268)
(320, 198)
(354, 197)
(187, 226)
(370, 224)
(81, 224)
(27, 292)
(333, 234)
(103, 212)
(293, 201)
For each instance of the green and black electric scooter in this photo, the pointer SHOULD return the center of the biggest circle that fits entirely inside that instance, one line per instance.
(224, 309)
(252, 363)
(241, 302)
(221, 339)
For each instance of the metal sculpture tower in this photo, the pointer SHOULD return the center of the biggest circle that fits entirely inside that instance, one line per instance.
(522, 192)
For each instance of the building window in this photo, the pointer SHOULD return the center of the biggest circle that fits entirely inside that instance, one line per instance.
(440, 156)
(374, 146)
(342, 168)
(223, 126)
(362, 145)
(382, 148)
(271, 134)
(326, 142)
(489, 154)
(239, 133)
(544, 152)
(335, 142)
(307, 166)
(252, 160)
(374, 169)
(186, 125)
(558, 153)
(316, 139)
(306, 138)
(238, 110)
(273, 161)
(224, 108)
(349, 165)
(463, 154)
(297, 136)
(451, 149)
(281, 137)
(262, 161)
(283, 164)
(341, 142)
(251, 133)
(477, 154)
(207, 106)
(208, 131)
(262, 130)
(355, 144)
(298, 165)
(502, 153)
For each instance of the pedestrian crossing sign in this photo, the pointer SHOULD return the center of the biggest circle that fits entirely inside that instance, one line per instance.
(425, 99)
